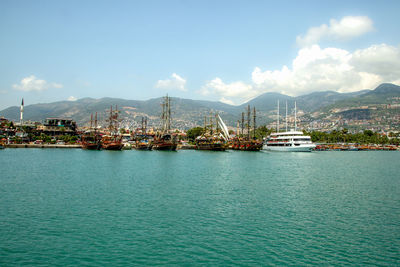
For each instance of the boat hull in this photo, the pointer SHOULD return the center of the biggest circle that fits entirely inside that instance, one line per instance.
(143, 147)
(248, 146)
(211, 147)
(91, 146)
(164, 146)
(302, 148)
(113, 146)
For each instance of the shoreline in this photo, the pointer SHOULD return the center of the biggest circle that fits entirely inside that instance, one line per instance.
(40, 146)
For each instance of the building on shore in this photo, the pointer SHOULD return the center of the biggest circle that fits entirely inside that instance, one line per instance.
(58, 126)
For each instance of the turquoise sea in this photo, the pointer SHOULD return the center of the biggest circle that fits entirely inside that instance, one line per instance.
(103, 208)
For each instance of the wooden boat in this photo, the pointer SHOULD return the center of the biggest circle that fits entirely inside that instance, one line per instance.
(111, 143)
(164, 142)
(205, 143)
(143, 145)
(91, 140)
(246, 145)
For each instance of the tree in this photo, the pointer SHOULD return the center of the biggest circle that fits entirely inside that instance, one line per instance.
(194, 132)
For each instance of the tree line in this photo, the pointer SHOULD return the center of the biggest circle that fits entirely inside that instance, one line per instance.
(335, 136)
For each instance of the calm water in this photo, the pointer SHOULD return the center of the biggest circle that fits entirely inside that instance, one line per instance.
(70, 207)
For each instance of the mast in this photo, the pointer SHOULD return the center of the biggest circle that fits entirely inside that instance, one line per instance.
(216, 123)
(91, 121)
(295, 116)
(254, 123)
(145, 126)
(205, 124)
(286, 116)
(166, 115)
(111, 120)
(116, 125)
(242, 123)
(237, 128)
(248, 122)
(211, 124)
(277, 121)
(169, 114)
(95, 123)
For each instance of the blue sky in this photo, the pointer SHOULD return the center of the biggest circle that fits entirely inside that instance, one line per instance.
(228, 51)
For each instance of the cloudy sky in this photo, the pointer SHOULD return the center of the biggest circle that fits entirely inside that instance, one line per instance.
(229, 51)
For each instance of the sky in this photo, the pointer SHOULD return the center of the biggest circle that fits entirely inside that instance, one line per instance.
(228, 51)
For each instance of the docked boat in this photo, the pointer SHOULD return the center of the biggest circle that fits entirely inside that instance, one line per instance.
(210, 143)
(113, 140)
(164, 140)
(143, 145)
(288, 141)
(247, 145)
(246, 142)
(109, 142)
(142, 141)
(91, 140)
(291, 141)
(214, 140)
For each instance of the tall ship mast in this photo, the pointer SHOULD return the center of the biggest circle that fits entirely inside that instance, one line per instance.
(113, 140)
(164, 139)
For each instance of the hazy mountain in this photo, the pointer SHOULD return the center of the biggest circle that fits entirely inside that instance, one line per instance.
(383, 94)
(188, 113)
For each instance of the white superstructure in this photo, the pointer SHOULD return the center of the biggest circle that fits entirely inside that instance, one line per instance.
(288, 141)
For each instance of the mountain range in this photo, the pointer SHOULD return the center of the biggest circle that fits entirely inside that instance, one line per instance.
(188, 113)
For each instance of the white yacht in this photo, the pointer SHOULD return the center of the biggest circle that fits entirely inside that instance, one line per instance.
(288, 141)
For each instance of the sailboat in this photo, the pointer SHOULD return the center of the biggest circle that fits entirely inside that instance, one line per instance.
(165, 140)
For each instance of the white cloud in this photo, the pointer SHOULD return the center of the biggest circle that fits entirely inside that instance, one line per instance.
(72, 98)
(31, 83)
(320, 69)
(226, 101)
(317, 69)
(175, 83)
(236, 91)
(347, 28)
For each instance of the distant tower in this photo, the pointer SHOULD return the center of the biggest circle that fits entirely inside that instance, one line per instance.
(22, 112)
